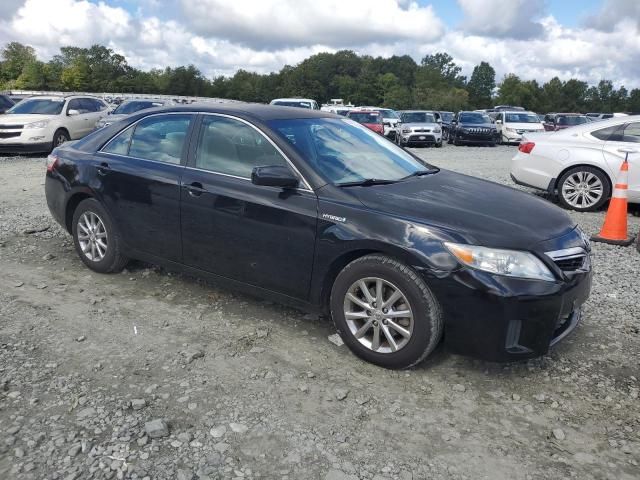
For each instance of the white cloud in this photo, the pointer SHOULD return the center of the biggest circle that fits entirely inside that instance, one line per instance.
(392, 27)
(503, 18)
(613, 12)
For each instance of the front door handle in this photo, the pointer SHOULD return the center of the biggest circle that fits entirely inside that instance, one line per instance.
(195, 189)
(103, 168)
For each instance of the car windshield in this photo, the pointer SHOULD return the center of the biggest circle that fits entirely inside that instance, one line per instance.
(446, 116)
(292, 103)
(521, 118)
(40, 106)
(365, 117)
(474, 118)
(386, 113)
(418, 117)
(572, 120)
(131, 107)
(344, 152)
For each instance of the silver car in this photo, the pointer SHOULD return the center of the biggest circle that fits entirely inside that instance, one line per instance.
(419, 128)
(131, 106)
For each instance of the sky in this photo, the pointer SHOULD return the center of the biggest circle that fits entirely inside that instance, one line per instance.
(535, 39)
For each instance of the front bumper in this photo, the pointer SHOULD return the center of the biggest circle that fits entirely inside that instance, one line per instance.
(476, 138)
(15, 139)
(504, 319)
(421, 139)
(13, 147)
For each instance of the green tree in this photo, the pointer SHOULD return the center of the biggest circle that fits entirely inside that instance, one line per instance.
(32, 77)
(481, 85)
(15, 56)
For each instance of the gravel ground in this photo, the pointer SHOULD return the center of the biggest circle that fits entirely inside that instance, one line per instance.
(148, 374)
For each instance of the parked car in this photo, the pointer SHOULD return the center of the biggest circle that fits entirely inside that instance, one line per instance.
(559, 121)
(314, 210)
(419, 128)
(507, 108)
(128, 107)
(472, 127)
(511, 125)
(445, 122)
(5, 103)
(390, 121)
(580, 164)
(296, 102)
(372, 119)
(604, 116)
(38, 124)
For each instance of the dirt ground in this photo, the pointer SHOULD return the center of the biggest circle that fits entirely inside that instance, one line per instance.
(244, 388)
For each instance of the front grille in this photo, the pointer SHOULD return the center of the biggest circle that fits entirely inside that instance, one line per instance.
(483, 131)
(9, 134)
(427, 138)
(11, 127)
(417, 130)
(570, 259)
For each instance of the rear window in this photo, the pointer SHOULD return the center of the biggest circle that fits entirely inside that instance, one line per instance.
(572, 120)
(365, 117)
(293, 104)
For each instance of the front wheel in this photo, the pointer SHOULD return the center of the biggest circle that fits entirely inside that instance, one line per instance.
(59, 137)
(385, 312)
(439, 144)
(583, 189)
(96, 239)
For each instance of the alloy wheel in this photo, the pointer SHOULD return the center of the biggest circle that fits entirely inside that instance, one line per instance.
(378, 315)
(92, 236)
(582, 190)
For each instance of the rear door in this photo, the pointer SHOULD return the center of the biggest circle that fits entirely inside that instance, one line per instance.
(262, 236)
(138, 176)
(628, 136)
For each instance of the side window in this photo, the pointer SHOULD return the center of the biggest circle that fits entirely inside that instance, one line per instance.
(609, 133)
(120, 144)
(160, 138)
(87, 105)
(234, 148)
(632, 133)
(75, 104)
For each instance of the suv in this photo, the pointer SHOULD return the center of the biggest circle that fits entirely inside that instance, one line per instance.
(38, 124)
(512, 125)
(472, 127)
(419, 128)
(559, 121)
(128, 107)
(5, 103)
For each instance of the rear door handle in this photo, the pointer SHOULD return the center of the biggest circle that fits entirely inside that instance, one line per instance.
(103, 168)
(195, 189)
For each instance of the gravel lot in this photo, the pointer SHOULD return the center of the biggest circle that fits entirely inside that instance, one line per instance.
(148, 374)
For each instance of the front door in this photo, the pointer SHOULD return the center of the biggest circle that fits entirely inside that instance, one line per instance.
(263, 236)
(626, 137)
(139, 172)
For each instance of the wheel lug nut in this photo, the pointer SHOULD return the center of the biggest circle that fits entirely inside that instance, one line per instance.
(384, 310)
(373, 304)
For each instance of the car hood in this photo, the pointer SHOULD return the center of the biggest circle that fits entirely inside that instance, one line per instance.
(524, 126)
(474, 210)
(21, 119)
(420, 125)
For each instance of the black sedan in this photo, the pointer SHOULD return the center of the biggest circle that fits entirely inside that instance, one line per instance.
(314, 210)
(473, 128)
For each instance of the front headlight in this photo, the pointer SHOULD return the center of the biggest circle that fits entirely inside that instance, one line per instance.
(406, 130)
(38, 124)
(512, 263)
(509, 129)
(437, 130)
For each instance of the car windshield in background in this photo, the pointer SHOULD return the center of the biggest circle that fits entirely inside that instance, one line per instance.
(572, 120)
(39, 106)
(293, 104)
(131, 107)
(474, 118)
(389, 114)
(521, 118)
(346, 152)
(418, 117)
(446, 116)
(366, 117)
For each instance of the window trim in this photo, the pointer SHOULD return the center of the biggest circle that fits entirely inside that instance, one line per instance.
(306, 187)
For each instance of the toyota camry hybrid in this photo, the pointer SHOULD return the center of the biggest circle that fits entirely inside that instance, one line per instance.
(314, 210)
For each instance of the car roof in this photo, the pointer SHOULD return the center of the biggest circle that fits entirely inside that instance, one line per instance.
(592, 126)
(365, 110)
(293, 99)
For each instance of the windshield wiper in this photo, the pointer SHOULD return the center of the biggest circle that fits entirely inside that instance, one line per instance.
(420, 173)
(367, 182)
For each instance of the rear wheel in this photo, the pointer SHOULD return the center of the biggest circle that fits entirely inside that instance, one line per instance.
(95, 238)
(385, 312)
(583, 189)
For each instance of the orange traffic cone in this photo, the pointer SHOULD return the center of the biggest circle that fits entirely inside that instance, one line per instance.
(614, 230)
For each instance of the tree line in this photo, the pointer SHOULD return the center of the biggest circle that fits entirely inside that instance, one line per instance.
(396, 82)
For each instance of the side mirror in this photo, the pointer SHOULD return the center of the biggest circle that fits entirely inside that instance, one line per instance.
(274, 176)
(73, 112)
(498, 122)
(439, 120)
(386, 124)
(454, 122)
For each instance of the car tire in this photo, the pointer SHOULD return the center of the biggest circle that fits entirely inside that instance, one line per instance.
(439, 144)
(59, 137)
(450, 138)
(456, 142)
(95, 238)
(421, 332)
(592, 177)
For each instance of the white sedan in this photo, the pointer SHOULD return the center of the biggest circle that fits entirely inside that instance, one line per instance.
(580, 164)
